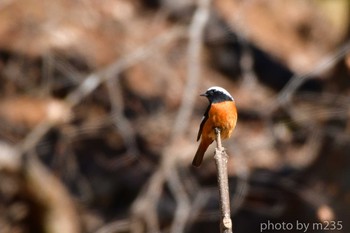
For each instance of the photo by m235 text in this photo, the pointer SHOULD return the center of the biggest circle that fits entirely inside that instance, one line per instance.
(302, 226)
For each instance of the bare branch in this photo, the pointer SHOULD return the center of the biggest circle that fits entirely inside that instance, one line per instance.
(144, 207)
(221, 165)
(33, 138)
(145, 204)
(50, 193)
(196, 32)
(183, 209)
(297, 80)
(116, 226)
(120, 121)
(95, 79)
(92, 81)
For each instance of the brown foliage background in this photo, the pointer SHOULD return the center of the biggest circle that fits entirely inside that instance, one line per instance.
(100, 107)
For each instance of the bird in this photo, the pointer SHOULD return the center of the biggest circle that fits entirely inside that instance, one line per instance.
(220, 114)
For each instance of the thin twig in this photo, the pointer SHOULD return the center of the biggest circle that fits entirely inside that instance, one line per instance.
(183, 209)
(196, 32)
(33, 138)
(297, 80)
(95, 79)
(145, 204)
(92, 81)
(144, 207)
(120, 121)
(221, 165)
(115, 226)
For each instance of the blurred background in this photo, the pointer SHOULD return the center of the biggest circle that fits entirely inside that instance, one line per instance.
(100, 109)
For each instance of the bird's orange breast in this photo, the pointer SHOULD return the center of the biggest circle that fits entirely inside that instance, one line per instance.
(222, 115)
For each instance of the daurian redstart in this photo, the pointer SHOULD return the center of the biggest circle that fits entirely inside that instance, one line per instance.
(222, 114)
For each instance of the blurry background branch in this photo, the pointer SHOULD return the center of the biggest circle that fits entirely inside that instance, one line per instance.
(195, 36)
(167, 172)
(325, 63)
(91, 82)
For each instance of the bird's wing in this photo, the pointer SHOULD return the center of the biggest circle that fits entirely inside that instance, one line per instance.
(204, 119)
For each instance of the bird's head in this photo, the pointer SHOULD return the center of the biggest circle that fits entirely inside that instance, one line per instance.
(217, 94)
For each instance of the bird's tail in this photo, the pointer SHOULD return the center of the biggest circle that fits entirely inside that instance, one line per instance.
(202, 148)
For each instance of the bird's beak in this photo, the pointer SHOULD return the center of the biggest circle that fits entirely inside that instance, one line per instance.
(205, 94)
